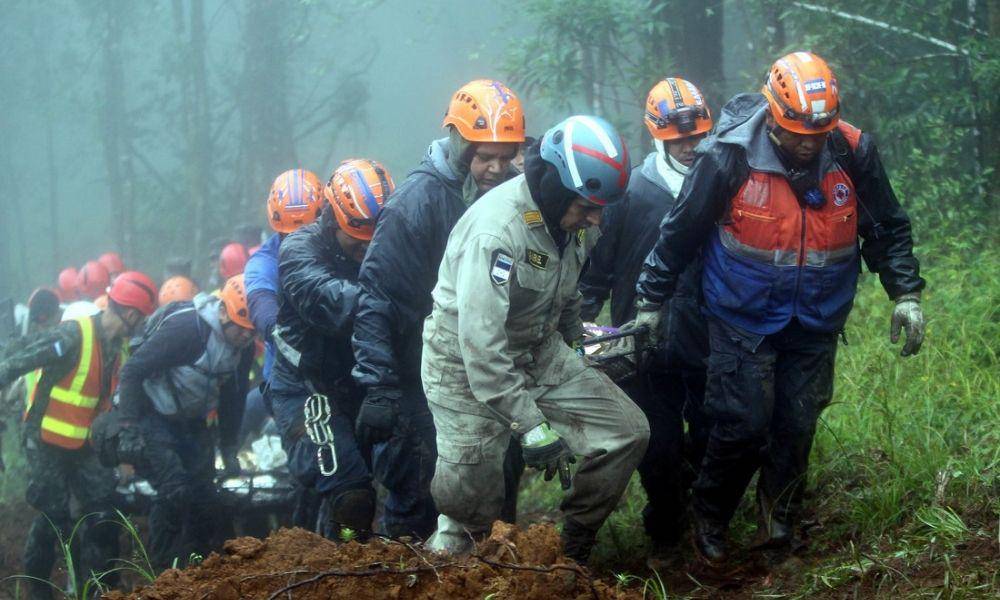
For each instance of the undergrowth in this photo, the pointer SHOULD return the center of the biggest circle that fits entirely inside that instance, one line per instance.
(905, 473)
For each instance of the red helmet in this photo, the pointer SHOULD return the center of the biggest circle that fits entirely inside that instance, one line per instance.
(92, 280)
(232, 260)
(112, 262)
(67, 284)
(295, 200)
(357, 190)
(133, 289)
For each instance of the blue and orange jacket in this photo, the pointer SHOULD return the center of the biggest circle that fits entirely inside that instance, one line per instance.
(768, 259)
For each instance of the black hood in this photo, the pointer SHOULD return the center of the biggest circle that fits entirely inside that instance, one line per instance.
(548, 191)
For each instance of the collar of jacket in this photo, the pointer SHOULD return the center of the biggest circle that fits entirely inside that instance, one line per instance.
(207, 307)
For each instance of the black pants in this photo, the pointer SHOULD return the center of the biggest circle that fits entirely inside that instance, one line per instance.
(764, 396)
(56, 474)
(669, 398)
(179, 462)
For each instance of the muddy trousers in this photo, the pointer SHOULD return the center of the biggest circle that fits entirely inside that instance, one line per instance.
(669, 399)
(764, 397)
(601, 425)
(187, 515)
(54, 475)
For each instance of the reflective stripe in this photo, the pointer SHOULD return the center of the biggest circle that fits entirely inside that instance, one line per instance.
(64, 429)
(778, 258)
(30, 386)
(73, 395)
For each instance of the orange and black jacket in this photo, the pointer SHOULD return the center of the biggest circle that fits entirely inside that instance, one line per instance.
(750, 284)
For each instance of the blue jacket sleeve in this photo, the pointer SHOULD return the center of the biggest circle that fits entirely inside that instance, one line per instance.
(322, 297)
(263, 305)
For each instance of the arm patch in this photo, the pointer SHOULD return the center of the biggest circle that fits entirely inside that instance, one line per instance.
(500, 267)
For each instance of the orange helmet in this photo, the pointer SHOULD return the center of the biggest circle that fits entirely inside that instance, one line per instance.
(92, 280)
(112, 262)
(232, 260)
(486, 111)
(294, 201)
(357, 190)
(234, 296)
(802, 93)
(67, 284)
(177, 289)
(676, 109)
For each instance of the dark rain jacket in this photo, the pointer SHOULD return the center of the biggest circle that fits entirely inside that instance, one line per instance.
(629, 230)
(318, 301)
(400, 271)
(721, 169)
(173, 348)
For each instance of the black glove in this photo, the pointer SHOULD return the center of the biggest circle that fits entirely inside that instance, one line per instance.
(131, 445)
(378, 415)
(550, 453)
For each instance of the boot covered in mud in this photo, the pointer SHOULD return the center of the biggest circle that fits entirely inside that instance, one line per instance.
(775, 522)
(710, 540)
(452, 537)
(354, 510)
(578, 541)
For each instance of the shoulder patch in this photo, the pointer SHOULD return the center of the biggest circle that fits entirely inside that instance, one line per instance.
(500, 267)
(536, 259)
(532, 218)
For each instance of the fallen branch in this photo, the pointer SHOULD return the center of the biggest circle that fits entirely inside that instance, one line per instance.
(574, 568)
(363, 573)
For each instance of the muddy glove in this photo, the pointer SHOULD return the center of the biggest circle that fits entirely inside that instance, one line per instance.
(907, 315)
(378, 415)
(647, 314)
(542, 448)
(131, 445)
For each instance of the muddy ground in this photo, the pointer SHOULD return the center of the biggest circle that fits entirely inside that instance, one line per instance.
(294, 563)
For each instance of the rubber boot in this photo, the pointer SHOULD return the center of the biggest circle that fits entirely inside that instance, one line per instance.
(450, 537)
(577, 541)
(354, 510)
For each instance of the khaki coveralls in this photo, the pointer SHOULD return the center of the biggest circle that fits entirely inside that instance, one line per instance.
(496, 362)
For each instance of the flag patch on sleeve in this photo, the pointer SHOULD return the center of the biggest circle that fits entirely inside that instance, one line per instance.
(500, 267)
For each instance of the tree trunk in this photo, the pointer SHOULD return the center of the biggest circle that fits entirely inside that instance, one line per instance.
(114, 122)
(698, 43)
(268, 128)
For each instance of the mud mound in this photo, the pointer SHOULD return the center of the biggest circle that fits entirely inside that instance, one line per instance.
(294, 563)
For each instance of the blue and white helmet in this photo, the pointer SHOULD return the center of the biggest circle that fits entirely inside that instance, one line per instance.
(590, 156)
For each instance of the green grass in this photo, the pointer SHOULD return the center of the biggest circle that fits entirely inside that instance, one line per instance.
(905, 472)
